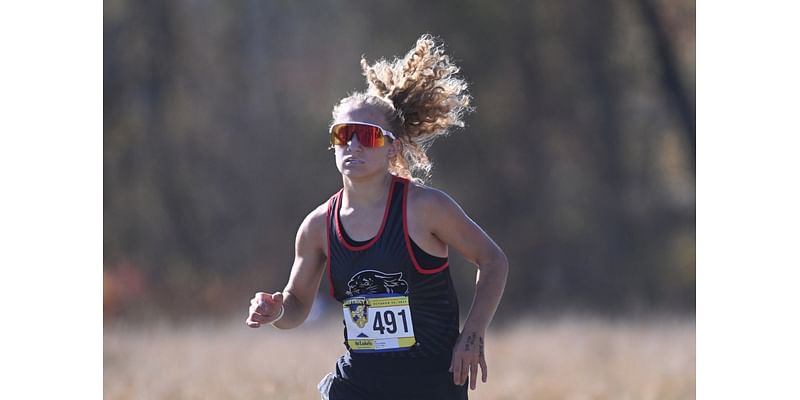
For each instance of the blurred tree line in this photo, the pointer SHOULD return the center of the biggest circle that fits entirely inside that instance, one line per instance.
(579, 160)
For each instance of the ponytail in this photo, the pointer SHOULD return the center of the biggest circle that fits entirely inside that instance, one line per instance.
(423, 99)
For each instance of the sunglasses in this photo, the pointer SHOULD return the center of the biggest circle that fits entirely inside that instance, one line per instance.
(369, 135)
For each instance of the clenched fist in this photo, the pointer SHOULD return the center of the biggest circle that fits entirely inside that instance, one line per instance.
(265, 308)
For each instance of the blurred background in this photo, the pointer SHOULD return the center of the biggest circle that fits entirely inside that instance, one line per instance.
(579, 159)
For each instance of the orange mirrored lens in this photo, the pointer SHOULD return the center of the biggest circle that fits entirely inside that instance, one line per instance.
(368, 136)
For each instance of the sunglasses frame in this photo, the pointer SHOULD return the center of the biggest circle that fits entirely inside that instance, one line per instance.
(383, 131)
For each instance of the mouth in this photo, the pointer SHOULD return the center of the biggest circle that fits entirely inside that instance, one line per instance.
(352, 161)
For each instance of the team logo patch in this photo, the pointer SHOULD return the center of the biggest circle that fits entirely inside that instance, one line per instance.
(376, 282)
(358, 311)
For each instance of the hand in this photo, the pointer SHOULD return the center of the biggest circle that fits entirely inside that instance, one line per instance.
(467, 356)
(264, 308)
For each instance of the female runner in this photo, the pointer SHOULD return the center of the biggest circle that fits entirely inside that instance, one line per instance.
(385, 239)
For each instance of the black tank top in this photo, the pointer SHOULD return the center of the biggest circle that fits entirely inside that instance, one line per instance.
(388, 263)
(424, 259)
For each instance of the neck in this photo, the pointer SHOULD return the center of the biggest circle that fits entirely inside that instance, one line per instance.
(365, 192)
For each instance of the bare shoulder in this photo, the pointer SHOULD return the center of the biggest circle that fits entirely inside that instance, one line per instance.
(317, 217)
(430, 201)
(312, 229)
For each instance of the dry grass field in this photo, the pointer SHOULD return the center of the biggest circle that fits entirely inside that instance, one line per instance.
(565, 359)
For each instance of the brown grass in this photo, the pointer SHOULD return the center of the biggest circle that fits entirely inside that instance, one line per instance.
(569, 358)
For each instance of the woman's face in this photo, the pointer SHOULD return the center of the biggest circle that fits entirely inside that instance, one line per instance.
(357, 161)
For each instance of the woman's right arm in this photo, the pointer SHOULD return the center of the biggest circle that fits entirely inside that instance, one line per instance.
(304, 280)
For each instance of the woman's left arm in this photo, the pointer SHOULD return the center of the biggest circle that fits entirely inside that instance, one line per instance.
(449, 223)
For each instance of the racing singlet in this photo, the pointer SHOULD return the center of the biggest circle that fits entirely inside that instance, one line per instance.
(392, 306)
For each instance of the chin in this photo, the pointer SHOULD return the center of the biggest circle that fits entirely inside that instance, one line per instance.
(356, 173)
(353, 174)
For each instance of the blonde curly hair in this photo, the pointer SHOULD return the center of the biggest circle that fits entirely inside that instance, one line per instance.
(422, 98)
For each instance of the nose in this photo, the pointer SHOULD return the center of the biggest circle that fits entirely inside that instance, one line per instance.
(354, 144)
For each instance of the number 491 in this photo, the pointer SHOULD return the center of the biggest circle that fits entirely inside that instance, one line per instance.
(385, 322)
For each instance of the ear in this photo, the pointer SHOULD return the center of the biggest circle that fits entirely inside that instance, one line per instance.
(394, 149)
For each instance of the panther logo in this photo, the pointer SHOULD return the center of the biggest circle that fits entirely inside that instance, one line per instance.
(376, 282)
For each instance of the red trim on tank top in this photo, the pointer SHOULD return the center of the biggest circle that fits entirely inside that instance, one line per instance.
(418, 267)
(383, 223)
(328, 234)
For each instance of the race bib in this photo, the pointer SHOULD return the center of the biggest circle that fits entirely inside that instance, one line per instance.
(378, 323)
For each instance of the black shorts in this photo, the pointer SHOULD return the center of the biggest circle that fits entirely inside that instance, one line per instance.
(395, 379)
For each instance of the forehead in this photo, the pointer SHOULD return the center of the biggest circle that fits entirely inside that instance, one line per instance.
(362, 114)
